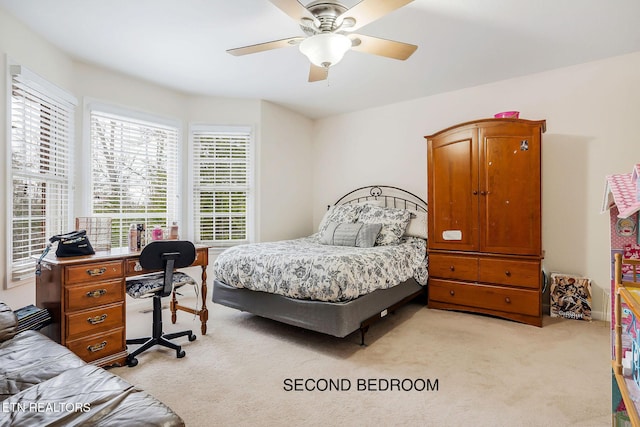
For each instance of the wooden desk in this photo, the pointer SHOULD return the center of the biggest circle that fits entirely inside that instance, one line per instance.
(86, 298)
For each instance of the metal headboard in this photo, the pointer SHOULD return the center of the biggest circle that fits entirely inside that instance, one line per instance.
(393, 197)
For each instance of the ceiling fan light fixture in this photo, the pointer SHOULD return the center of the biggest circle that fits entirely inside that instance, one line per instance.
(325, 49)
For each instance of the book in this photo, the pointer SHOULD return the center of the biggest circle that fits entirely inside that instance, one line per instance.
(31, 317)
(30, 310)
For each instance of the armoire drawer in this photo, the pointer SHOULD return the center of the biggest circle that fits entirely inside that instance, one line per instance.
(510, 272)
(97, 346)
(90, 322)
(498, 298)
(453, 266)
(94, 294)
(94, 271)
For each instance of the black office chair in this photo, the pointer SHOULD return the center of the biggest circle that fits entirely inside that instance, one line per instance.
(165, 255)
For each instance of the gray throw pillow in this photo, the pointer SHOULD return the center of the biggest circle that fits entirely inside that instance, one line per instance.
(350, 234)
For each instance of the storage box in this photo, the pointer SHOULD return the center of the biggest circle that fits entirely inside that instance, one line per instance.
(98, 231)
(570, 296)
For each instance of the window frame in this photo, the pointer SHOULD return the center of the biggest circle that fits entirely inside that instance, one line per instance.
(91, 105)
(251, 201)
(61, 100)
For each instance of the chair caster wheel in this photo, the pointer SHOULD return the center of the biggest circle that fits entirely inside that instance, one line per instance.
(131, 362)
(192, 337)
(180, 354)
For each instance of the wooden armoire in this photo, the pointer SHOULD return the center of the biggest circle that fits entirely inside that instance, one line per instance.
(484, 223)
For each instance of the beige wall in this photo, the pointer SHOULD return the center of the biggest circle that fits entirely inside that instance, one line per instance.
(591, 112)
(286, 152)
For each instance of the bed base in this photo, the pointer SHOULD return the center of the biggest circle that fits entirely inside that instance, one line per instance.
(336, 319)
(364, 326)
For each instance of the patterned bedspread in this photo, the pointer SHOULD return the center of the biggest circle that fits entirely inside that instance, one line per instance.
(305, 269)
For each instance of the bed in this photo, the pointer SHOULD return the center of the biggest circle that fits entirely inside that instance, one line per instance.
(367, 259)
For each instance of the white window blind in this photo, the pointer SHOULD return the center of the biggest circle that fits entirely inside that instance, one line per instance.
(134, 172)
(222, 177)
(42, 129)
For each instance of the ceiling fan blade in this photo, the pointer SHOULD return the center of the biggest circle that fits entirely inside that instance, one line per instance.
(317, 73)
(294, 9)
(382, 47)
(369, 10)
(260, 47)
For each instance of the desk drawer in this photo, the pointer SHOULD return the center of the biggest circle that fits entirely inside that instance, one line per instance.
(453, 267)
(520, 273)
(93, 321)
(94, 271)
(133, 268)
(94, 294)
(498, 298)
(98, 346)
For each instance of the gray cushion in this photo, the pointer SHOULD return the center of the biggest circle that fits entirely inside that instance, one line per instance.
(350, 234)
(103, 399)
(31, 358)
(8, 322)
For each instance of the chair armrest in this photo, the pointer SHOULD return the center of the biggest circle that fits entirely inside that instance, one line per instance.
(8, 322)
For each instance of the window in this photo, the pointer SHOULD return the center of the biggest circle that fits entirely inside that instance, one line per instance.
(134, 172)
(222, 184)
(41, 136)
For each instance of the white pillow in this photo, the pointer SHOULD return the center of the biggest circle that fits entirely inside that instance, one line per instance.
(340, 214)
(417, 225)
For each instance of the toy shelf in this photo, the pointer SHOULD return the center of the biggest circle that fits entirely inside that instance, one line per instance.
(627, 291)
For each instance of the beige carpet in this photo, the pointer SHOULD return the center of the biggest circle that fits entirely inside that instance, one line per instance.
(489, 372)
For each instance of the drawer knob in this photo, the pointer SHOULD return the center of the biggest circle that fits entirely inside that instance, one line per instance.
(97, 293)
(97, 347)
(452, 292)
(96, 271)
(452, 268)
(507, 300)
(97, 319)
(507, 273)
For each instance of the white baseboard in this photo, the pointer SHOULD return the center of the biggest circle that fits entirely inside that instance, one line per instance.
(595, 314)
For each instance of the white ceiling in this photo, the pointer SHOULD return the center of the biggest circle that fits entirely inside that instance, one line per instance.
(461, 43)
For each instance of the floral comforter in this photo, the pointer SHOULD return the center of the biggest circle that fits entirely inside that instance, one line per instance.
(305, 269)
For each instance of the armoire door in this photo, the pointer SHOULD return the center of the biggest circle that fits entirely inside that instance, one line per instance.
(453, 196)
(510, 189)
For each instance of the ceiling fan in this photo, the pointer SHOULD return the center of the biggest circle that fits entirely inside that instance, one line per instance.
(328, 26)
